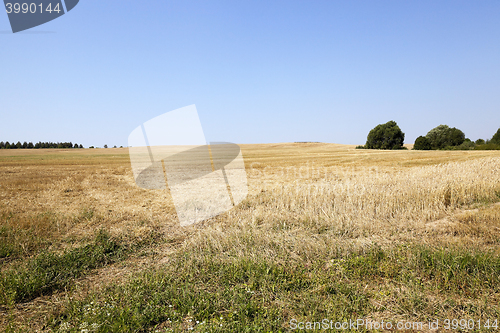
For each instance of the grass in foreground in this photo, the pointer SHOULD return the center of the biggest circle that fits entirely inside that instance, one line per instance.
(227, 294)
(48, 272)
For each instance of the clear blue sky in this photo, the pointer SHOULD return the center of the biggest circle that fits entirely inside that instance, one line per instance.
(258, 71)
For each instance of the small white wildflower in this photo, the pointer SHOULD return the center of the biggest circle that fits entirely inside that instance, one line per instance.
(64, 327)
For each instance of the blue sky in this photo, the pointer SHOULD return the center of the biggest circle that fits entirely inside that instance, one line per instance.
(258, 71)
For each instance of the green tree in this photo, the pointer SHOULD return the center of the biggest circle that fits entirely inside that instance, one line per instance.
(496, 138)
(385, 136)
(466, 145)
(422, 143)
(480, 142)
(443, 136)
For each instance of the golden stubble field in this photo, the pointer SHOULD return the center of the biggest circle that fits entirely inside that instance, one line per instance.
(329, 184)
(306, 201)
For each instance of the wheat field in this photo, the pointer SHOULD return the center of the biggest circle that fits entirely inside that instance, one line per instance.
(326, 231)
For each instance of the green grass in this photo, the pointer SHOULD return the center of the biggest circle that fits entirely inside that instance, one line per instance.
(48, 272)
(238, 295)
(211, 293)
(7, 247)
(463, 272)
(24, 236)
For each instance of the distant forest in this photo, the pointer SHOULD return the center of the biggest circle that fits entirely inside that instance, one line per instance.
(38, 145)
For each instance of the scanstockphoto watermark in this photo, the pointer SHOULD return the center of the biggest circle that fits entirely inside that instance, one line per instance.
(27, 14)
(363, 324)
(310, 170)
(312, 176)
(204, 180)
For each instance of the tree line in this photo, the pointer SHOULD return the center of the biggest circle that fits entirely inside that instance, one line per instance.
(38, 145)
(443, 137)
(446, 138)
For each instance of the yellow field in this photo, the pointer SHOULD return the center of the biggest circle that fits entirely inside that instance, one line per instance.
(408, 185)
(306, 201)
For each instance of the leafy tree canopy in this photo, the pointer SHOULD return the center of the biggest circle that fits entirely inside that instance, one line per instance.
(443, 136)
(422, 143)
(496, 137)
(385, 136)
